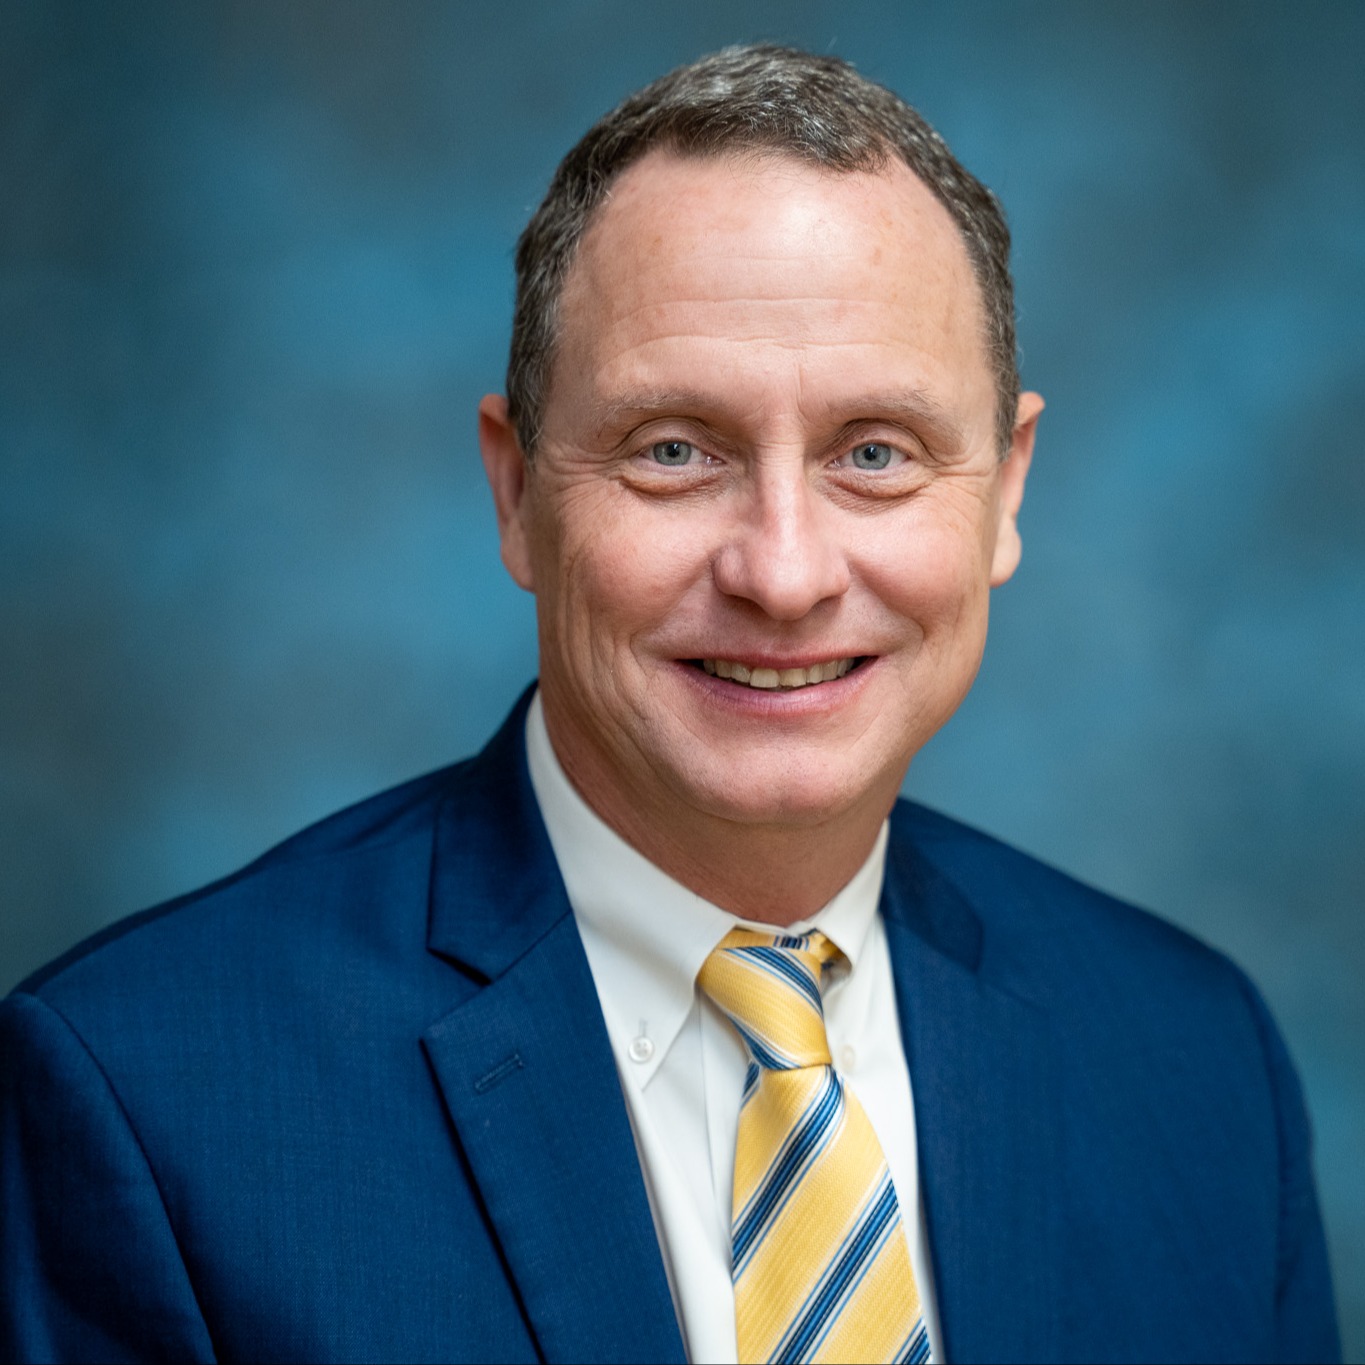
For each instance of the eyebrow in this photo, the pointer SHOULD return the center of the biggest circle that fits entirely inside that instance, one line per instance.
(908, 408)
(905, 407)
(637, 404)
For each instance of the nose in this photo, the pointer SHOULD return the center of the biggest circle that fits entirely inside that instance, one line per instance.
(782, 552)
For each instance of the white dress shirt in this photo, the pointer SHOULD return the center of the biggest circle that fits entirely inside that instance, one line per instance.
(681, 1062)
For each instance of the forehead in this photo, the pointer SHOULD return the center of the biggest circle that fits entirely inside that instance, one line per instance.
(761, 271)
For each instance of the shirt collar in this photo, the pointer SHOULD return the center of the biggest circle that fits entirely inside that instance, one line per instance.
(647, 935)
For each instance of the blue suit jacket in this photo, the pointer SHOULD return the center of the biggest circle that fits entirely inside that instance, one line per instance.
(357, 1102)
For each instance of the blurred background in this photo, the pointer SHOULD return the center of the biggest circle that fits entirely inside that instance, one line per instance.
(255, 272)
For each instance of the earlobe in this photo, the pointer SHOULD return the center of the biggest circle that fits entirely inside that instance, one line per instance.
(506, 469)
(1013, 473)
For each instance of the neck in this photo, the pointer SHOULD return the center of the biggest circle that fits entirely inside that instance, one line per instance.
(771, 873)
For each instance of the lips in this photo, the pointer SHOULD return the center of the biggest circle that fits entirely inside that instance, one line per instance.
(778, 679)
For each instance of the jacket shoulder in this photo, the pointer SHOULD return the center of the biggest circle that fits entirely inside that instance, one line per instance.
(1168, 1067)
(293, 889)
(339, 910)
(1032, 913)
(1128, 995)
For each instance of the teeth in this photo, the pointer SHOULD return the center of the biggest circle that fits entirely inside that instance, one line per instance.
(769, 679)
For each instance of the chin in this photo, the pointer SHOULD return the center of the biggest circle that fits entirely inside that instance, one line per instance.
(786, 794)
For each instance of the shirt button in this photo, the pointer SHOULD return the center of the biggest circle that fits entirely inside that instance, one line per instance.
(641, 1049)
(848, 1058)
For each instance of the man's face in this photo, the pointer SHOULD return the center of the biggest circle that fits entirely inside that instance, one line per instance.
(769, 452)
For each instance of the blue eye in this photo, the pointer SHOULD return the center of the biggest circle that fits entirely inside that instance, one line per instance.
(673, 453)
(871, 455)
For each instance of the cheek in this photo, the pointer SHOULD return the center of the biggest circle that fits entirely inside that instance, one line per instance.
(617, 568)
(931, 571)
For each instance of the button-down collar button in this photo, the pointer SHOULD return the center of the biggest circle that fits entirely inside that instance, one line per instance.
(641, 1049)
(848, 1058)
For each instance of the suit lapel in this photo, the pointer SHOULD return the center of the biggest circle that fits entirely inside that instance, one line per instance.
(527, 1074)
(986, 1122)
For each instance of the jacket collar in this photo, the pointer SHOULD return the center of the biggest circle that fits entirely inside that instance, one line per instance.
(495, 886)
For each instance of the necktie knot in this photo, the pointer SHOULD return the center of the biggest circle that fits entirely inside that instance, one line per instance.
(768, 986)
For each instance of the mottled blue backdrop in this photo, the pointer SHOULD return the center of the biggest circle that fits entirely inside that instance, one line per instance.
(255, 272)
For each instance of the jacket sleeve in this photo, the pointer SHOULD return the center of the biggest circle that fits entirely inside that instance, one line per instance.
(89, 1266)
(1305, 1313)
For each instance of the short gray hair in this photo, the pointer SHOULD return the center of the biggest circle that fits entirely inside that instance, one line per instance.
(756, 98)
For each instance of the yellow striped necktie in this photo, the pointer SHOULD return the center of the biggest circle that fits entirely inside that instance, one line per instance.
(819, 1258)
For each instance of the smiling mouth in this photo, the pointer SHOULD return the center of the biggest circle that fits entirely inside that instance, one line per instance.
(778, 679)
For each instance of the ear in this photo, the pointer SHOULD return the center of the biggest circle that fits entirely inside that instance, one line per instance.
(509, 480)
(1013, 472)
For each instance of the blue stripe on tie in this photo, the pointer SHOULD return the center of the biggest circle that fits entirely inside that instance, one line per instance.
(807, 1139)
(766, 1056)
(751, 1075)
(871, 1250)
(782, 966)
(843, 1274)
(849, 1265)
(915, 1350)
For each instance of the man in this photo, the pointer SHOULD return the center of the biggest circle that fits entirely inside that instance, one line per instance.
(661, 1029)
